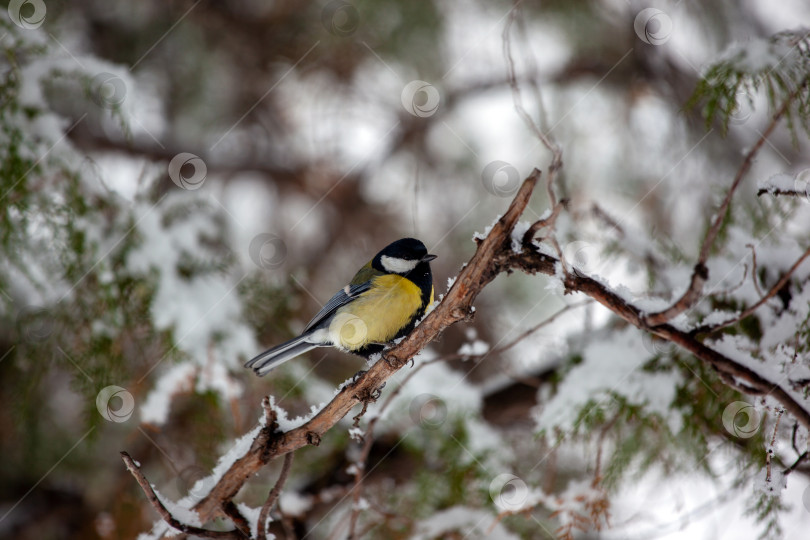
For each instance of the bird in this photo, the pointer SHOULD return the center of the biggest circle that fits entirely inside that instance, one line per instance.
(382, 302)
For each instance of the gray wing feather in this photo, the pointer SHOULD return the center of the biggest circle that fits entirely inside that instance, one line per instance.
(344, 296)
(271, 358)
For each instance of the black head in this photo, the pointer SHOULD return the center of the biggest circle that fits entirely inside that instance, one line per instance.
(402, 257)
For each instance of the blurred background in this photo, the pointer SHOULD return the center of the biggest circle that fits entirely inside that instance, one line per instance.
(185, 183)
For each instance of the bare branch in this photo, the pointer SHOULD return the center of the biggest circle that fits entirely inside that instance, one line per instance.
(544, 138)
(167, 516)
(273, 495)
(555, 150)
(528, 236)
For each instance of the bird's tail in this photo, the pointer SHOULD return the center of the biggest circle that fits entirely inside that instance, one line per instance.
(272, 358)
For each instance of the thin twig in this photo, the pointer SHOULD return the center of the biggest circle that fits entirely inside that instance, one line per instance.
(545, 322)
(754, 276)
(167, 516)
(770, 294)
(600, 443)
(528, 236)
(700, 273)
(769, 451)
(793, 437)
(502, 348)
(368, 440)
(518, 99)
(273, 495)
(795, 465)
(729, 290)
(360, 467)
(544, 138)
(238, 519)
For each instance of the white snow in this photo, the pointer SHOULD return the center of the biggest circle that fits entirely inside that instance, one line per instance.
(610, 366)
(761, 54)
(178, 379)
(251, 515)
(770, 486)
(481, 236)
(436, 380)
(719, 316)
(470, 522)
(286, 424)
(476, 348)
(202, 487)
(778, 183)
(293, 503)
(182, 513)
(197, 308)
(520, 229)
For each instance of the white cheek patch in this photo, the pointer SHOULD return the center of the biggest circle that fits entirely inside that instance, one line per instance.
(397, 266)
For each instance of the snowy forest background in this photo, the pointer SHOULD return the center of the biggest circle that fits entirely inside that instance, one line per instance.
(183, 184)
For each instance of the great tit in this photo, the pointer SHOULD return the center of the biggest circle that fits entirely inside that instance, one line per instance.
(381, 303)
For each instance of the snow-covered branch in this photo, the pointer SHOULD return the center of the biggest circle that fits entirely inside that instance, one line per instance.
(495, 254)
(733, 372)
(270, 443)
(161, 509)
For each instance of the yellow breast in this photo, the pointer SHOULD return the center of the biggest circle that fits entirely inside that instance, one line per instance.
(376, 315)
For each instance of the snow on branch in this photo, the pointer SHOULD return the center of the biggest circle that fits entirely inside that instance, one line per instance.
(730, 370)
(786, 184)
(167, 516)
(270, 443)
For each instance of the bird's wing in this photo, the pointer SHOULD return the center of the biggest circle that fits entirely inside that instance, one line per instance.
(344, 296)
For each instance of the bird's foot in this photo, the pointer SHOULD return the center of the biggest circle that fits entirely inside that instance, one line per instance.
(357, 375)
(392, 361)
(377, 392)
(367, 396)
(396, 363)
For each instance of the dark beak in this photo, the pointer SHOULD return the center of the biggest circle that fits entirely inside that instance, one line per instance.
(428, 257)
